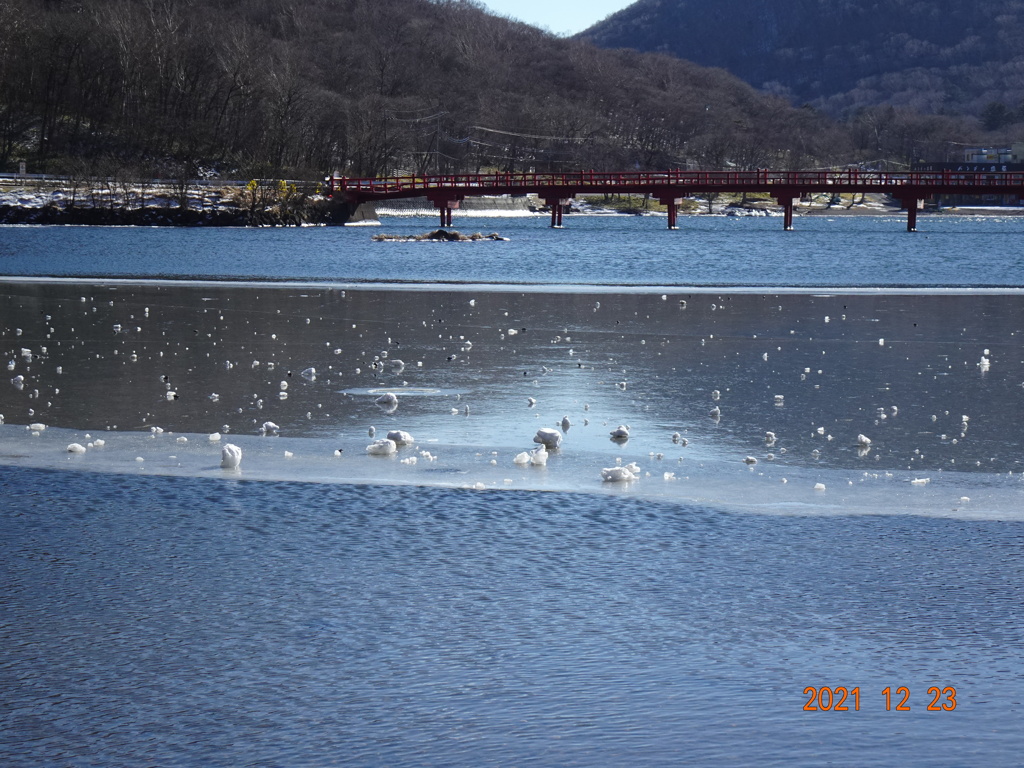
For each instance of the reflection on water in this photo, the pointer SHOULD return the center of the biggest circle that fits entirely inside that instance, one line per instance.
(184, 621)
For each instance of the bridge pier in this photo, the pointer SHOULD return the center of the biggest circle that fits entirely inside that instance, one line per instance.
(446, 212)
(672, 204)
(557, 206)
(910, 205)
(786, 201)
(445, 205)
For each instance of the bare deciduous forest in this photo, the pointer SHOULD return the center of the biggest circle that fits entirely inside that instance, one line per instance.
(299, 88)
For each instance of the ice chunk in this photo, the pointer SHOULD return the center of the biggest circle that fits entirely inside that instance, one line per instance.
(230, 456)
(401, 438)
(617, 475)
(383, 447)
(549, 438)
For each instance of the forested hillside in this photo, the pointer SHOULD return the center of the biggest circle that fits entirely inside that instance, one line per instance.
(298, 88)
(931, 56)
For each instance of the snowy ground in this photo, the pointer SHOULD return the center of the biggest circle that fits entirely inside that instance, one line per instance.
(155, 196)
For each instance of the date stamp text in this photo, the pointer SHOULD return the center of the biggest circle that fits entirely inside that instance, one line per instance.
(844, 699)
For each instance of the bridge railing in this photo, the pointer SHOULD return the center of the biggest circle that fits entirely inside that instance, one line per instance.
(602, 181)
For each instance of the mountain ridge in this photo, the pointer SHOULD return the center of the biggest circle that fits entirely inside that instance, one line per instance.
(937, 57)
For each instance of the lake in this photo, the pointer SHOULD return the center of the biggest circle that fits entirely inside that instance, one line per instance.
(604, 250)
(446, 605)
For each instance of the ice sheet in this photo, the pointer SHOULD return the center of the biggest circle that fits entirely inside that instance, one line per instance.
(481, 370)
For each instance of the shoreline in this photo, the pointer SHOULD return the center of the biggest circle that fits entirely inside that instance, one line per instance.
(277, 205)
(154, 217)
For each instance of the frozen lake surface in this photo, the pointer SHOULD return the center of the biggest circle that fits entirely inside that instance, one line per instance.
(932, 380)
(446, 605)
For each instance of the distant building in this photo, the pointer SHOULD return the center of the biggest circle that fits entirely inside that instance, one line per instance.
(983, 155)
(980, 160)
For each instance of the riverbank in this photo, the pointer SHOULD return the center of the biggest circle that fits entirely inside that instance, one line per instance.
(275, 203)
(122, 202)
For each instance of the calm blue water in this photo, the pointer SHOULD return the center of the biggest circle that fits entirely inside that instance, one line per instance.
(616, 250)
(190, 621)
(151, 621)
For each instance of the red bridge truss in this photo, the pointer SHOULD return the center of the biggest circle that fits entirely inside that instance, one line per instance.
(669, 187)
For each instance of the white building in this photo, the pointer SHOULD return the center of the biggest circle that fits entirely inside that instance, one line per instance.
(1012, 154)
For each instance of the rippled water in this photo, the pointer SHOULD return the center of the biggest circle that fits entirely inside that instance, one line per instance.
(610, 250)
(324, 608)
(188, 622)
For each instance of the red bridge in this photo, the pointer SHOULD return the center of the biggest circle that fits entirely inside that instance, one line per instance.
(669, 187)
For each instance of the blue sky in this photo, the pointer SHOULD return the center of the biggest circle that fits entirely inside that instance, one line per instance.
(563, 17)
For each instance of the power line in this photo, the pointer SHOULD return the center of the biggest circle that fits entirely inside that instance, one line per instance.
(530, 135)
(436, 116)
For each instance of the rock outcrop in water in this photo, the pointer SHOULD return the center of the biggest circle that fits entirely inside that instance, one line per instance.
(439, 236)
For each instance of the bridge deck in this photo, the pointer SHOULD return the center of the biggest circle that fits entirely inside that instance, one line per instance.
(445, 191)
(580, 182)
